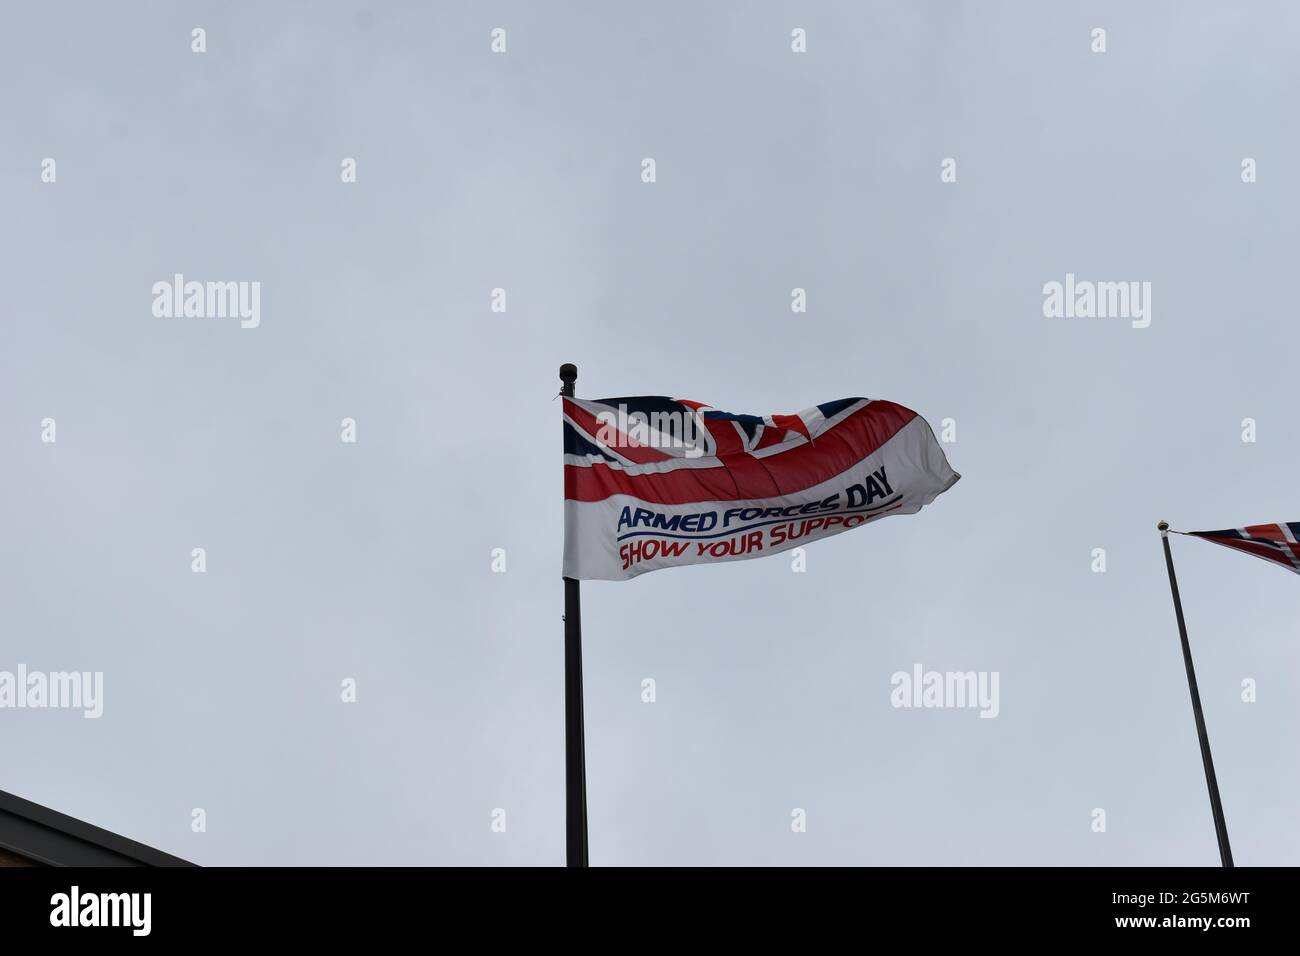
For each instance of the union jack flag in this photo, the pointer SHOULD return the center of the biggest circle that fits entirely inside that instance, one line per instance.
(1279, 543)
(653, 482)
(729, 457)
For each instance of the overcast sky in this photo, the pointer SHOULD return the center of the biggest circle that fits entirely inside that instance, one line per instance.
(775, 170)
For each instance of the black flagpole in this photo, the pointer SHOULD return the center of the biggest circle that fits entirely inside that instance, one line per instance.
(575, 761)
(1220, 827)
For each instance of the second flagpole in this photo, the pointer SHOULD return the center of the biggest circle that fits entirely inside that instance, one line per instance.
(1216, 805)
(575, 759)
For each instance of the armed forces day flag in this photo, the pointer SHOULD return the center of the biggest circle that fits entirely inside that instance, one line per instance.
(1278, 543)
(654, 482)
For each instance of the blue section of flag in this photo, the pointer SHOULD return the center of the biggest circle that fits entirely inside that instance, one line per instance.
(575, 444)
(645, 404)
(831, 409)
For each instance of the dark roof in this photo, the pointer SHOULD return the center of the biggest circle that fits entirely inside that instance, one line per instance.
(56, 839)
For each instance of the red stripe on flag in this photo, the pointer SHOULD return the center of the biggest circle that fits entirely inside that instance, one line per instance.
(1269, 532)
(792, 423)
(1255, 548)
(726, 437)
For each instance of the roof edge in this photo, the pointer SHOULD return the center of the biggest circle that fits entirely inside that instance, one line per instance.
(56, 839)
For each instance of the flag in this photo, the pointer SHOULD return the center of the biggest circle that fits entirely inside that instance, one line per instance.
(652, 482)
(1279, 543)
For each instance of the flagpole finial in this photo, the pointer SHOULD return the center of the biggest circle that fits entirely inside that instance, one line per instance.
(1163, 527)
(568, 376)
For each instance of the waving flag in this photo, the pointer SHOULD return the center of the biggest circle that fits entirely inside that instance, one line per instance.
(653, 482)
(1279, 543)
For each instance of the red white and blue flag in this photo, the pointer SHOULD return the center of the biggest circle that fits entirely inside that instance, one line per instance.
(653, 482)
(1279, 543)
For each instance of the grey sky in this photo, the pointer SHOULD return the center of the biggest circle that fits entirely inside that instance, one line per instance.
(775, 170)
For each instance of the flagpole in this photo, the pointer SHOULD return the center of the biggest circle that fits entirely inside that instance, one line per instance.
(1216, 805)
(575, 761)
